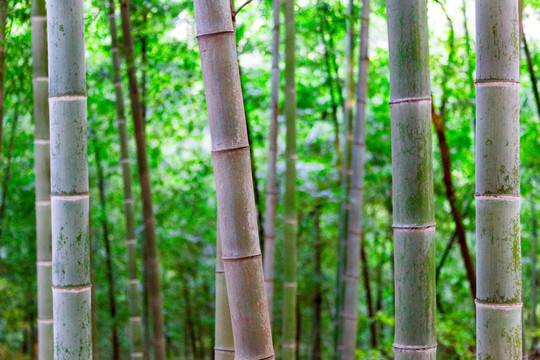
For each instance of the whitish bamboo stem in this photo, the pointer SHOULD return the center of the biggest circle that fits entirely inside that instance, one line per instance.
(412, 180)
(69, 181)
(237, 215)
(224, 343)
(289, 326)
(271, 188)
(42, 170)
(498, 243)
(356, 194)
(129, 212)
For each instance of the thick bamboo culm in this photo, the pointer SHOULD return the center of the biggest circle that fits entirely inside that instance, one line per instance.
(69, 181)
(42, 170)
(290, 284)
(271, 187)
(412, 181)
(356, 194)
(136, 351)
(224, 343)
(237, 215)
(498, 244)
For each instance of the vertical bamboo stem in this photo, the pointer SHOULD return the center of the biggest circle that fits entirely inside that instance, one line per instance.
(356, 194)
(346, 172)
(3, 20)
(151, 262)
(69, 181)
(224, 344)
(498, 302)
(136, 351)
(237, 216)
(271, 188)
(289, 242)
(42, 170)
(412, 180)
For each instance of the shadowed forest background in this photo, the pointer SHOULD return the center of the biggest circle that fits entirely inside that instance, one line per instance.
(181, 175)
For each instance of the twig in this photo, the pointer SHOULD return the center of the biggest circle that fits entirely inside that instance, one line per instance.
(241, 7)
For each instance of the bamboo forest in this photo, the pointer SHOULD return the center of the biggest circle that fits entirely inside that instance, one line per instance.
(269, 179)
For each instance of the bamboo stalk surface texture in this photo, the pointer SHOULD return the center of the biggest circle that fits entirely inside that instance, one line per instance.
(69, 181)
(412, 181)
(237, 215)
(498, 243)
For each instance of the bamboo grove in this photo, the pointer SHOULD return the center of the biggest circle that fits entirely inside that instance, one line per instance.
(291, 179)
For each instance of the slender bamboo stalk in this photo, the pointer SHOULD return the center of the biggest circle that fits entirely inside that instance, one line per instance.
(42, 170)
(115, 345)
(355, 198)
(129, 212)
(95, 352)
(237, 216)
(151, 262)
(224, 344)
(3, 20)
(346, 172)
(498, 302)
(317, 293)
(271, 188)
(7, 170)
(534, 281)
(412, 180)
(290, 286)
(530, 67)
(69, 181)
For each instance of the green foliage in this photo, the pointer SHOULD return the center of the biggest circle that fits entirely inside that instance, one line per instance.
(182, 180)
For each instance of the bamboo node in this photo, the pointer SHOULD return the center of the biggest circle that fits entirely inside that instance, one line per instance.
(409, 100)
(230, 149)
(291, 221)
(135, 318)
(290, 284)
(224, 32)
(67, 98)
(498, 196)
(497, 83)
(45, 321)
(482, 304)
(413, 227)
(41, 78)
(289, 346)
(224, 350)
(73, 197)
(42, 141)
(414, 348)
(44, 263)
(240, 258)
(73, 289)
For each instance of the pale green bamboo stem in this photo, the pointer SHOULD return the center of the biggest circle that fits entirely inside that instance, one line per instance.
(237, 214)
(498, 302)
(69, 181)
(356, 194)
(271, 188)
(289, 241)
(129, 212)
(345, 177)
(412, 180)
(42, 170)
(224, 343)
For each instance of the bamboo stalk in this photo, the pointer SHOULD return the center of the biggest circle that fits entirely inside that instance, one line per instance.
(237, 216)
(3, 20)
(69, 181)
(498, 302)
(412, 180)
(42, 170)
(355, 198)
(346, 172)
(271, 188)
(289, 326)
(224, 344)
(136, 351)
(151, 261)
